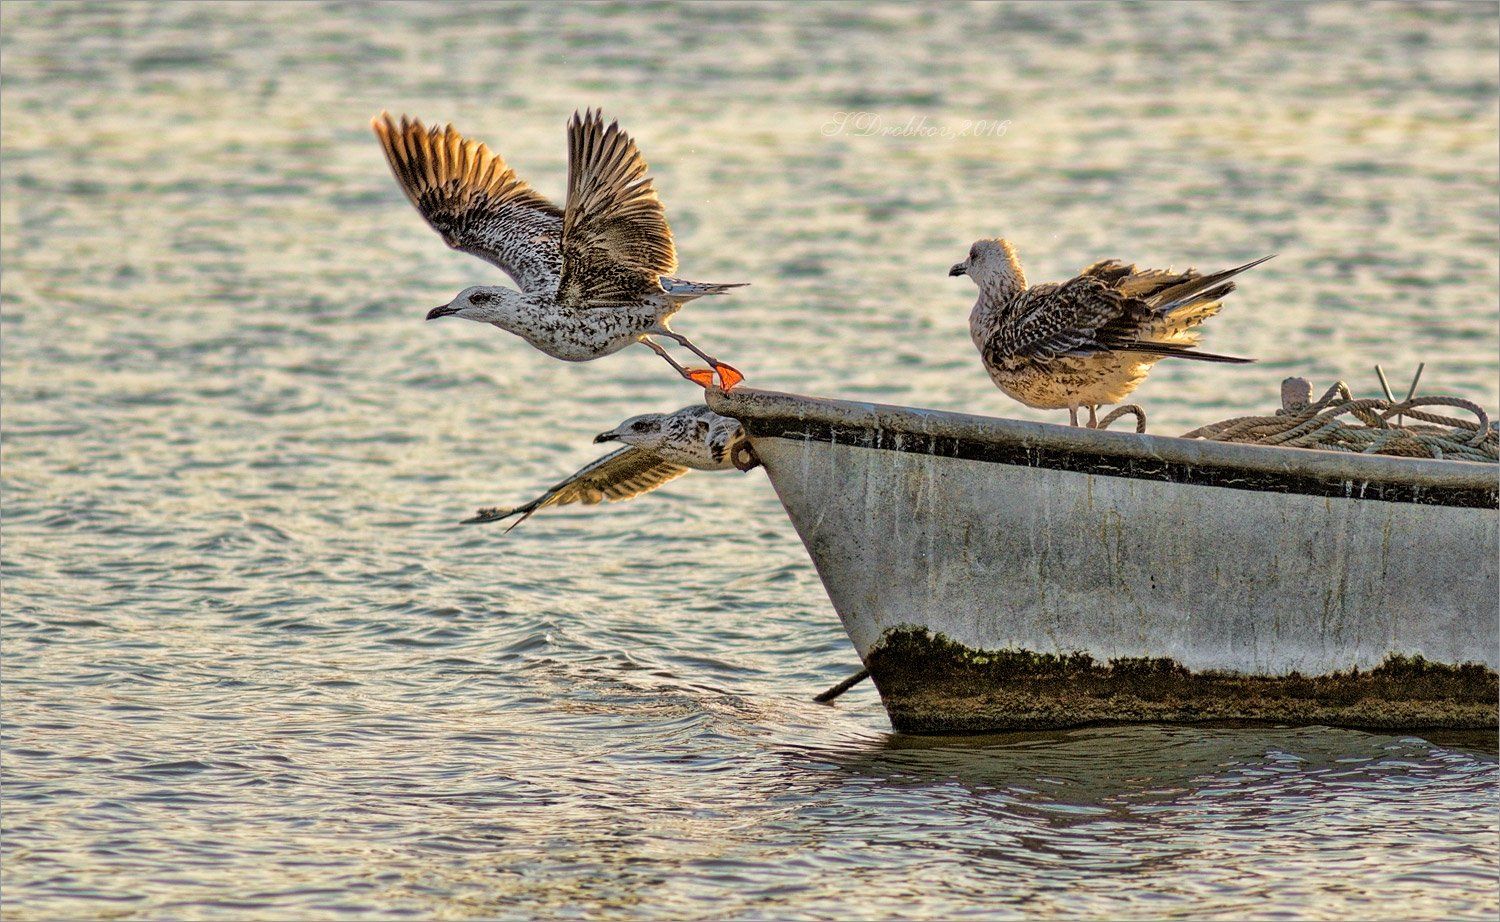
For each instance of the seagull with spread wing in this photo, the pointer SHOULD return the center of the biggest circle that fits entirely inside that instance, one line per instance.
(659, 447)
(594, 277)
(1091, 340)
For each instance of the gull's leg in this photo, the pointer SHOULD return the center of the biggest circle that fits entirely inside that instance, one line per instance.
(1093, 417)
(699, 376)
(1072, 414)
(729, 376)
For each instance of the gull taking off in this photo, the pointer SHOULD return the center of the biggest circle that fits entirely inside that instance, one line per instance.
(658, 447)
(1091, 340)
(595, 277)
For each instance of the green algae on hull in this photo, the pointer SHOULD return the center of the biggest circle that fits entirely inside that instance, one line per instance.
(930, 684)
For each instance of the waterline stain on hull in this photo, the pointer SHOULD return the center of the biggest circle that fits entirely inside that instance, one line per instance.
(929, 684)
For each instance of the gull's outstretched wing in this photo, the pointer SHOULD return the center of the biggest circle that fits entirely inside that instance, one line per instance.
(621, 474)
(616, 244)
(470, 196)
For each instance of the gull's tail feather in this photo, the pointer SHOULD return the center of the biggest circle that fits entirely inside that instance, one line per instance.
(683, 290)
(1188, 301)
(1174, 350)
(1177, 324)
(1171, 299)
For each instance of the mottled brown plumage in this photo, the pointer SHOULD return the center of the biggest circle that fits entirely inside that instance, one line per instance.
(660, 447)
(594, 277)
(474, 200)
(616, 244)
(622, 474)
(1091, 340)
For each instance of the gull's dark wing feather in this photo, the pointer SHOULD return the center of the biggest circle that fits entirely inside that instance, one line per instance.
(470, 196)
(616, 243)
(1137, 283)
(622, 474)
(1086, 315)
(1049, 321)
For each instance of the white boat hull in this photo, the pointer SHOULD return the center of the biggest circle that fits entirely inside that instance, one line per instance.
(996, 574)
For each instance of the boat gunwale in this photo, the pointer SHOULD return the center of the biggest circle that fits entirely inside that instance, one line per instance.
(756, 408)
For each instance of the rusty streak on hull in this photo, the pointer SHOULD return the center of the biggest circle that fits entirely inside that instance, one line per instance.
(933, 685)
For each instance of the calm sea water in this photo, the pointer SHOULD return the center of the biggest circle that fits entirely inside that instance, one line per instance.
(253, 668)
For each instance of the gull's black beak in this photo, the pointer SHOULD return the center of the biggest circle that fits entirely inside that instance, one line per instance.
(443, 311)
(604, 437)
(958, 269)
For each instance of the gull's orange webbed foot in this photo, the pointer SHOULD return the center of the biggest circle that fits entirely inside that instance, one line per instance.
(703, 377)
(729, 376)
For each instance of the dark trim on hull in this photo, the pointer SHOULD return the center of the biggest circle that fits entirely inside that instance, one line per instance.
(930, 685)
(1105, 465)
(988, 439)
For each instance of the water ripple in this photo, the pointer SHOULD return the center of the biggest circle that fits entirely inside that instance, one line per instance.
(254, 668)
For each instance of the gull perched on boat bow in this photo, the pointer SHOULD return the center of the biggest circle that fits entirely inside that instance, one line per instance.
(659, 447)
(594, 277)
(1091, 340)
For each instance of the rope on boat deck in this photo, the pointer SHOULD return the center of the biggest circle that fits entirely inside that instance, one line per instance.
(1303, 424)
(1117, 412)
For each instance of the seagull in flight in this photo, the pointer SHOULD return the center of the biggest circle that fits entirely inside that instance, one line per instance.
(1091, 340)
(658, 447)
(594, 277)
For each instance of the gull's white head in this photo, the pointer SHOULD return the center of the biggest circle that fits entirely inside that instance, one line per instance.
(993, 265)
(481, 303)
(644, 431)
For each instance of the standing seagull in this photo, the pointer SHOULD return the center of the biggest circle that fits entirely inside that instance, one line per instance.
(659, 447)
(1090, 340)
(594, 277)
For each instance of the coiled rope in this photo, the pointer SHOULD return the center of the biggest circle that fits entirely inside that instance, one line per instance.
(1371, 431)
